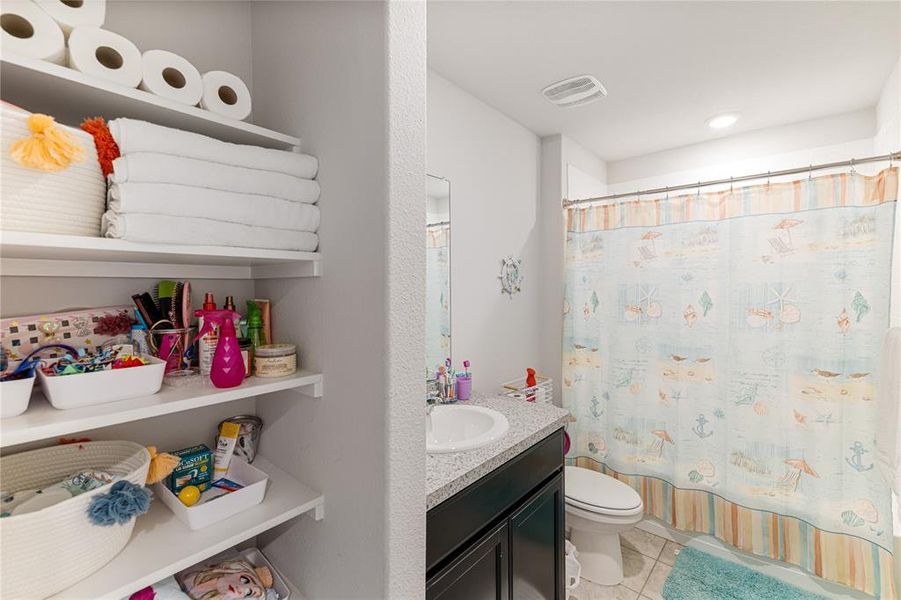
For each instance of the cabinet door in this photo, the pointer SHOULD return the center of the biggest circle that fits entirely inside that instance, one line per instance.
(537, 567)
(480, 573)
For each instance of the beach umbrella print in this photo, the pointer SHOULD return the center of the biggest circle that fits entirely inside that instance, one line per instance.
(793, 473)
(662, 436)
(652, 235)
(787, 225)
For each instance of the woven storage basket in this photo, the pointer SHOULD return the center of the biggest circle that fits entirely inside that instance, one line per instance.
(68, 202)
(46, 551)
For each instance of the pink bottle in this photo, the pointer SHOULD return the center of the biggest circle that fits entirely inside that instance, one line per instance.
(227, 367)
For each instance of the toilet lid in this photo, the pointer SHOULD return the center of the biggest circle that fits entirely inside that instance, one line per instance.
(591, 490)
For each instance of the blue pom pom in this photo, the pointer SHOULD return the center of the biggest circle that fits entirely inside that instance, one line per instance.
(124, 501)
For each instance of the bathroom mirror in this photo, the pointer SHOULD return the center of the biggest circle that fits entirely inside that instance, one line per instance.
(437, 243)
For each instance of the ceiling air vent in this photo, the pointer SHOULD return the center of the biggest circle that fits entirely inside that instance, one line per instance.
(574, 91)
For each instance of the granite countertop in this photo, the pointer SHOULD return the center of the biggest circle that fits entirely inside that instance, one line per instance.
(447, 474)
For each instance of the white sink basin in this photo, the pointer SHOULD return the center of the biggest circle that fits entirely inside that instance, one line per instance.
(456, 428)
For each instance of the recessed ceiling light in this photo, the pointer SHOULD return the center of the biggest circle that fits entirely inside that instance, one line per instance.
(722, 121)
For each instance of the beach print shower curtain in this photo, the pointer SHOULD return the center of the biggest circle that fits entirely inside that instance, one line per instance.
(437, 296)
(721, 354)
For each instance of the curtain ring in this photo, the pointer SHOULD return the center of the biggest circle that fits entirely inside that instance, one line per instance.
(809, 172)
(699, 190)
(667, 191)
(768, 179)
(891, 160)
(730, 184)
(638, 196)
(853, 172)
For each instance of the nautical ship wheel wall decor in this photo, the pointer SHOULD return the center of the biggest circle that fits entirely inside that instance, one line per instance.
(511, 276)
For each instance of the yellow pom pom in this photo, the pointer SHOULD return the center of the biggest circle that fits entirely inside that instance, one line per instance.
(161, 465)
(48, 148)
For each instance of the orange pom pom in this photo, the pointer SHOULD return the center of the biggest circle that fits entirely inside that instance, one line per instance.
(161, 465)
(107, 148)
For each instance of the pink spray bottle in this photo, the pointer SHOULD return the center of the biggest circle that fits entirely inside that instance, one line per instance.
(227, 367)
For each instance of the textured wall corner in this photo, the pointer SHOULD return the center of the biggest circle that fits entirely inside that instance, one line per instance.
(405, 300)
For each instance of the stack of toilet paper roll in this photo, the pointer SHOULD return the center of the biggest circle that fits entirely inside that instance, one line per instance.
(69, 33)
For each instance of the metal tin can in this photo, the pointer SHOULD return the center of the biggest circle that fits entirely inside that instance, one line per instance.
(248, 435)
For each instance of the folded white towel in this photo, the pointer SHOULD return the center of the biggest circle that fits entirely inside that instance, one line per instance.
(185, 201)
(888, 403)
(162, 229)
(140, 136)
(149, 167)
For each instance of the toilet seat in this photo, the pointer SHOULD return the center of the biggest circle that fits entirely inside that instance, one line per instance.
(600, 494)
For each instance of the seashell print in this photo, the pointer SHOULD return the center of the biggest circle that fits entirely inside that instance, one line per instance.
(843, 322)
(759, 317)
(566, 307)
(852, 519)
(655, 311)
(690, 315)
(866, 510)
(635, 388)
(761, 408)
(790, 314)
(632, 312)
(695, 477)
(706, 468)
(718, 413)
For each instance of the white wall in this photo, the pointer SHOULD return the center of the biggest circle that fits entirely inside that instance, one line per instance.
(492, 163)
(211, 34)
(322, 70)
(567, 171)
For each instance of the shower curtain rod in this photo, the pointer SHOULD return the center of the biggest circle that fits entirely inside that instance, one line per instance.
(690, 186)
(439, 224)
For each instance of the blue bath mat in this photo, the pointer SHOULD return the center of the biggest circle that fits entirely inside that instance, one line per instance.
(701, 576)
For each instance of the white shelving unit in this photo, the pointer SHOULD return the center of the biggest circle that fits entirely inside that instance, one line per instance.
(70, 96)
(49, 255)
(161, 545)
(42, 421)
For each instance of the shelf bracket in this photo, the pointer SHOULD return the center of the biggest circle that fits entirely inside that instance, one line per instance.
(312, 390)
(319, 511)
(310, 268)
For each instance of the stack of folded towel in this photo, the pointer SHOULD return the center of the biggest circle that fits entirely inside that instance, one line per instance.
(177, 187)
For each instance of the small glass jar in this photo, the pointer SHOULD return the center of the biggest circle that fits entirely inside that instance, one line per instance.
(275, 360)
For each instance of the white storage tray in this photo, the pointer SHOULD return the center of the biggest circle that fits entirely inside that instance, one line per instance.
(14, 396)
(87, 389)
(212, 511)
(258, 559)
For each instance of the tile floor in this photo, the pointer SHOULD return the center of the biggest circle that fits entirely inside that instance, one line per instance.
(647, 562)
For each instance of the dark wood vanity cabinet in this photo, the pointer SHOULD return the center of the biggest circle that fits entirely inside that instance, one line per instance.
(501, 538)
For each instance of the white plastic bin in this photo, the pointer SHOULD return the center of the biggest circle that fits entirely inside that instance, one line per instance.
(14, 396)
(87, 389)
(212, 511)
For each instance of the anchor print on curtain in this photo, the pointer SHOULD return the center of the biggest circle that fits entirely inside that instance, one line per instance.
(721, 355)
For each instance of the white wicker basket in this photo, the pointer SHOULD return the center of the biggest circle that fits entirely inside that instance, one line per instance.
(46, 551)
(68, 202)
(542, 392)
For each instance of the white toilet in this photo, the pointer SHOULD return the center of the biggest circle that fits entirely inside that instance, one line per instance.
(598, 508)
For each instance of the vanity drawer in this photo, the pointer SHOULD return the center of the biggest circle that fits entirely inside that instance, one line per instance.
(476, 507)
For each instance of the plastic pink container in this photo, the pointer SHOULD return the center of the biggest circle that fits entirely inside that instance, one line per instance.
(464, 387)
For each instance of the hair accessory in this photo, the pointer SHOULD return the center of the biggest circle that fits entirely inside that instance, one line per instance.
(48, 148)
(124, 501)
(161, 465)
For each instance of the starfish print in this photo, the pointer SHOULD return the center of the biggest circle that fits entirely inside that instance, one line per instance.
(779, 299)
(646, 296)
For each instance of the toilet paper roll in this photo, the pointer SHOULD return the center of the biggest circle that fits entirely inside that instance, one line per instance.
(70, 14)
(171, 76)
(105, 55)
(225, 94)
(29, 31)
